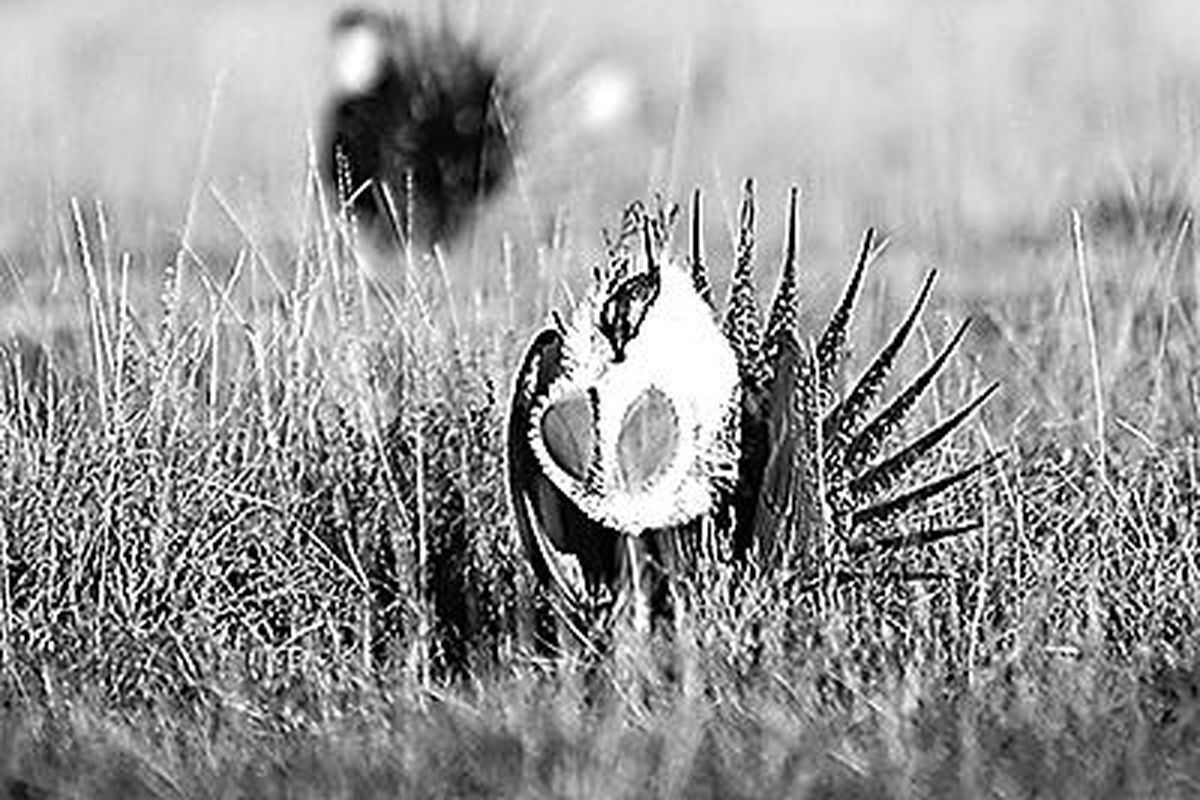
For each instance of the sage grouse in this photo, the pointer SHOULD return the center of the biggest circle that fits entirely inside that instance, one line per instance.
(641, 423)
(420, 128)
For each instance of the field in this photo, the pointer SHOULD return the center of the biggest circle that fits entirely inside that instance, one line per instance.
(254, 539)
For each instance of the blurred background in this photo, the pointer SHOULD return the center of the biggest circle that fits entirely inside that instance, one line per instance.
(966, 130)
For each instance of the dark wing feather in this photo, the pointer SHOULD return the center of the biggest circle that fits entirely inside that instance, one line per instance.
(790, 516)
(542, 513)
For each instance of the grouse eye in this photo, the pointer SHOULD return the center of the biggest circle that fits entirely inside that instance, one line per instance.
(648, 439)
(568, 430)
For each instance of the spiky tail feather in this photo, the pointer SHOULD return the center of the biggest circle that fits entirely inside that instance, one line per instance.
(806, 507)
(807, 492)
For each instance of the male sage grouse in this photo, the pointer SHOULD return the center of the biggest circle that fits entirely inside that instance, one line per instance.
(420, 128)
(642, 424)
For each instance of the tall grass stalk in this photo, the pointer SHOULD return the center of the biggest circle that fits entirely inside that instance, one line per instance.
(287, 518)
(1079, 249)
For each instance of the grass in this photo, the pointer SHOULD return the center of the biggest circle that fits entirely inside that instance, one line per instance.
(253, 533)
(231, 541)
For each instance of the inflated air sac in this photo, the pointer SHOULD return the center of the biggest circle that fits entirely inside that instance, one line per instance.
(648, 440)
(569, 433)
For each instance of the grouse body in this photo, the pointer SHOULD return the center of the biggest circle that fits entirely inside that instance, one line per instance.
(419, 131)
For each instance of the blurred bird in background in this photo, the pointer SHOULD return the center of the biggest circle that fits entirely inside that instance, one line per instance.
(420, 130)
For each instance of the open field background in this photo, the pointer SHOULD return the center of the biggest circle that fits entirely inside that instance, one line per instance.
(962, 129)
(252, 522)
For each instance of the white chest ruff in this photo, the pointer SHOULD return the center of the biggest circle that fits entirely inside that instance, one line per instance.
(653, 437)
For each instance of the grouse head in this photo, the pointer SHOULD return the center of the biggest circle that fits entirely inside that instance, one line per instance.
(638, 427)
(361, 41)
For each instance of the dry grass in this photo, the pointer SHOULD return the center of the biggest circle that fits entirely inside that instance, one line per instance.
(278, 532)
(253, 539)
